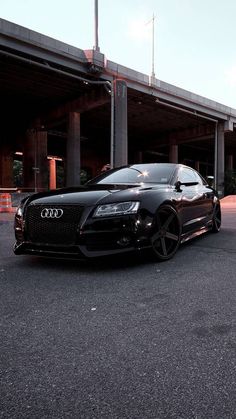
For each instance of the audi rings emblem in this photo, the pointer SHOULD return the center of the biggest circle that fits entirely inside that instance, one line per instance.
(51, 213)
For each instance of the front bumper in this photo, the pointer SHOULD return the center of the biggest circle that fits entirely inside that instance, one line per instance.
(96, 237)
(74, 252)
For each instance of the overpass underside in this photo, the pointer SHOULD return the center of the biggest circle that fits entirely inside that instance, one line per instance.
(60, 124)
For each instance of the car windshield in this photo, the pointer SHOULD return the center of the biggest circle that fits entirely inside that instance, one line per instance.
(138, 174)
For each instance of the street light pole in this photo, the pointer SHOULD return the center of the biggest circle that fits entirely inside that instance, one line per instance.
(96, 47)
(152, 76)
(112, 126)
(153, 49)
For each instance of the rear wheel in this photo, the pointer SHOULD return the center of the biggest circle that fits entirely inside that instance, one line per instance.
(166, 238)
(216, 219)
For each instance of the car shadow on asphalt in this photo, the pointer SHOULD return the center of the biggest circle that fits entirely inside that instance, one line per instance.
(130, 260)
(105, 263)
(224, 240)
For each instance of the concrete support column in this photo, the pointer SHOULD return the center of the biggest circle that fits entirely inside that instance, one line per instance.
(230, 162)
(173, 153)
(42, 161)
(73, 150)
(29, 157)
(220, 158)
(6, 167)
(120, 145)
(197, 165)
(35, 164)
(52, 174)
(138, 157)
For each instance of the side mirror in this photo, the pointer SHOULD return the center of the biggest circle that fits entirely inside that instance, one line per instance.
(178, 185)
(210, 181)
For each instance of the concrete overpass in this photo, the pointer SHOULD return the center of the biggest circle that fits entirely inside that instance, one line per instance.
(75, 104)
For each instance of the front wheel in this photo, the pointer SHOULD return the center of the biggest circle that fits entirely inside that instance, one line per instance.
(216, 219)
(166, 238)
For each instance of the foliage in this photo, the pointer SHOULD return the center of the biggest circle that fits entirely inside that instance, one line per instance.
(60, 176)
(85, 174)
(18, 173)
(230, 182)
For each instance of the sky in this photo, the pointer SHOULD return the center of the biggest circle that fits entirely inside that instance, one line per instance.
(194, 40)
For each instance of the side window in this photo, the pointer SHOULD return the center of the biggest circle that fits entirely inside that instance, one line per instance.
(198, 178)
(188, 175)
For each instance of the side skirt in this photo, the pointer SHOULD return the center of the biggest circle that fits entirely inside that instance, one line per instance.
(193, 234)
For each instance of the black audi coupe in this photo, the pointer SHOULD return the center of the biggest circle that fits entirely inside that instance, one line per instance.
(156, 206)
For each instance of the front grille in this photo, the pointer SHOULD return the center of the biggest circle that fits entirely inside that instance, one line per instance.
(59, 231)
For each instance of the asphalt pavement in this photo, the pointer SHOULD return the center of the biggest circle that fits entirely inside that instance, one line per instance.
(122, 337)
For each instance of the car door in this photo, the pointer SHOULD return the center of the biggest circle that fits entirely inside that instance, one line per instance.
(195, 200)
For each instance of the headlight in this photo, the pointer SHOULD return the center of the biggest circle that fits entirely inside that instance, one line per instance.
(21, 208)
(19, 212)
(120, 208)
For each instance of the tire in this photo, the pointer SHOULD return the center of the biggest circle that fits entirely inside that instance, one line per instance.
(167, 234)
(216, 219)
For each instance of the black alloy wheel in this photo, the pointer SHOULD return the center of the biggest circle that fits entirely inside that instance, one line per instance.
(166, 238)
(216, 219)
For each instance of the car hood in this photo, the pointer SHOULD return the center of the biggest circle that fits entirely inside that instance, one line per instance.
(91, 194)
